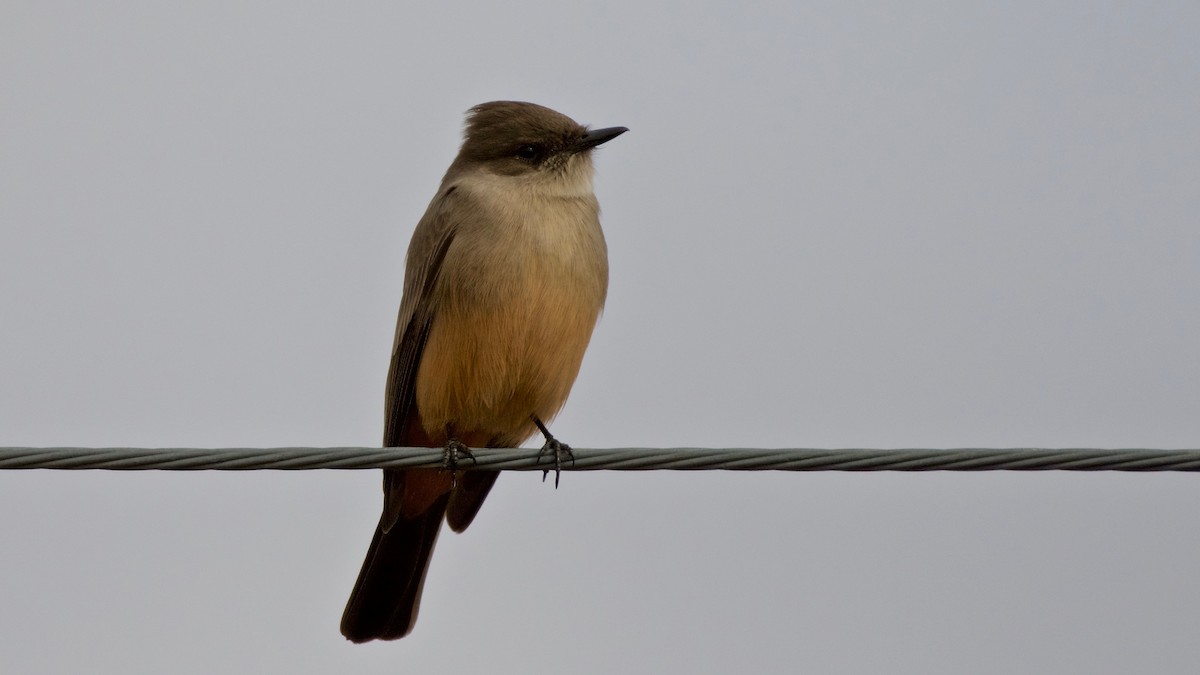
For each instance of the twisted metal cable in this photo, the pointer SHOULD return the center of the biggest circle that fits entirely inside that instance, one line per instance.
(622, 459)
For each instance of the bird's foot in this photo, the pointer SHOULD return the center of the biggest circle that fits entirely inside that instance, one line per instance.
(553, 446)
(451, 454)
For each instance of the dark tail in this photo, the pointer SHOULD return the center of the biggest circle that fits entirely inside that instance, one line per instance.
(385, 599)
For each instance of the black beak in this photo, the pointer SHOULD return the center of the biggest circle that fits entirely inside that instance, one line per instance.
(597, 136)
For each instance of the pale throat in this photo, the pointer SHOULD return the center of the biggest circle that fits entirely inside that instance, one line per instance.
(570, 181)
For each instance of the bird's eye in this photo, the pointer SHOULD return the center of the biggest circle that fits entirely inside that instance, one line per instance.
(528, 151)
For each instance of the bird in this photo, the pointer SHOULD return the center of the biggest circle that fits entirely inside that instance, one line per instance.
(505, 279)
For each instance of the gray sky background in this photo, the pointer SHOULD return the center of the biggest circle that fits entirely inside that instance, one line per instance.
(831, 224)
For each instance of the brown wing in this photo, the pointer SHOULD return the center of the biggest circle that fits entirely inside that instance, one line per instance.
(426, 253)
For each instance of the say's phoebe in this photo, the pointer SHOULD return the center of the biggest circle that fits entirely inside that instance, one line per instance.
(505, 279)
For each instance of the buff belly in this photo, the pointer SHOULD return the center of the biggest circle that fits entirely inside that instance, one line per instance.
(486, 369)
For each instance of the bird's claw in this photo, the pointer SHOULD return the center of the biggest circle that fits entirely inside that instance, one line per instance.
(451, 454)
(560, 450)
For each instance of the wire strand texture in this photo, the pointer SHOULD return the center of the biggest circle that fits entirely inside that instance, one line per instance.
(620, 459)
